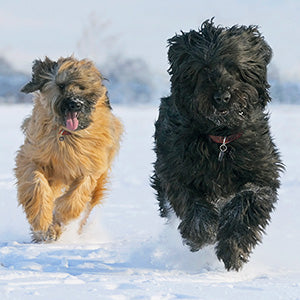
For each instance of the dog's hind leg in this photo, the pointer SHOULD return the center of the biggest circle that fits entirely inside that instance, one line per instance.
(164, 206)
(71, 204)
(242, 223)
(97, 196)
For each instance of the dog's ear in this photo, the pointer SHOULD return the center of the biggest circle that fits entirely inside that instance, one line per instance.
(254, 55)
(41, 73)
(266, 51)
(252, 44)
(184, 62)
(178, 51)
(262, 54)
(259, 46)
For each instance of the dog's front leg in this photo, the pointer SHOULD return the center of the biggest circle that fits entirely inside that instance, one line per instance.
(242, 223)
(71, 204)
(199, 225)
(37, 199)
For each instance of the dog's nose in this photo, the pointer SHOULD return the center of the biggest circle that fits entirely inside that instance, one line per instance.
(222, 97)
(74, 105)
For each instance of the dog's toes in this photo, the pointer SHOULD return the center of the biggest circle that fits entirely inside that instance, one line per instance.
(51, 235)
(194, 246)
(232, 255)
(39, 237)
(54, 232)
(196, 234)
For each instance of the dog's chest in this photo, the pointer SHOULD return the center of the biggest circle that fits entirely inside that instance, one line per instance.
(214, 177)
(202, 169)
(69, 160)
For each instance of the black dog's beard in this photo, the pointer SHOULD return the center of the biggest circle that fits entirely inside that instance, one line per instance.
(234, 114)
(203, 112)
(229, 118)
(200, 103)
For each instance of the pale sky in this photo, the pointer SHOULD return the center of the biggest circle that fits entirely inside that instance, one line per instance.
(34, 28)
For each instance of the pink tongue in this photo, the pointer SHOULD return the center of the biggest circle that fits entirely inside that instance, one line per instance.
(71, 121)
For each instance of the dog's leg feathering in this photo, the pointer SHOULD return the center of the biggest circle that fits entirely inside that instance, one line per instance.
(242, 223)
(199, 218)
(37, 199)
(97, 196)
(70, 205)
(164, 206)
(199, 226)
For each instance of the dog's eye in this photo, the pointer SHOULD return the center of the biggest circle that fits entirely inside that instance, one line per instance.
(81, 87)
(61, 85)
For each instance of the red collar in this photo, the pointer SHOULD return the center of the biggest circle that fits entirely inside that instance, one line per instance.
(225, 139)
(63, 132)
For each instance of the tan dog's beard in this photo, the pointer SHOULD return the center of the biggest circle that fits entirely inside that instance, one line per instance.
(73, 113)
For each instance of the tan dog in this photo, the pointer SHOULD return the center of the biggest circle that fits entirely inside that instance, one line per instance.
(71, 139)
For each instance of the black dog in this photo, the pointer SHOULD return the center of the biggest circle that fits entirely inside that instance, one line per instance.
(217, 167)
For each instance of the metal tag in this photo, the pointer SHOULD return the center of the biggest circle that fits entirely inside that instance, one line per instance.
(223, 149)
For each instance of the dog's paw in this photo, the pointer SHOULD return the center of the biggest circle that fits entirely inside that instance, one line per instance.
(241, 225)
(245, 217)
(199, 229)
(231, 254)
(51, 235)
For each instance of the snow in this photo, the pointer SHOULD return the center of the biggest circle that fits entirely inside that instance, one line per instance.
(126, 250)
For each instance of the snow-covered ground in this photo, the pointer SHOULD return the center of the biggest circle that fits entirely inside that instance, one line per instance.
(126, 250)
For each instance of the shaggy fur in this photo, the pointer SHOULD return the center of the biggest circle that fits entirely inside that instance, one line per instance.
(71, 139)
(218, 87)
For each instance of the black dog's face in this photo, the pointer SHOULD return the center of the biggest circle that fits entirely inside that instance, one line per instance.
(222, 97)
(218, 75)
(70, 90)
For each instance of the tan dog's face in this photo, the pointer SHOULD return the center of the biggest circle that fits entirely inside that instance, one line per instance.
(69, 89)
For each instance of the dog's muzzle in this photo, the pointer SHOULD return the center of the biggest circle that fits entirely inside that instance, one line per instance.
(222, 98)
(72, 105)
(71, 108)
(221, 102)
